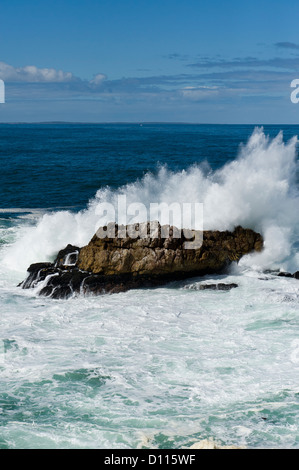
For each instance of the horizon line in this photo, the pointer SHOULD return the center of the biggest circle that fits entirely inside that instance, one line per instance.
(140, 123)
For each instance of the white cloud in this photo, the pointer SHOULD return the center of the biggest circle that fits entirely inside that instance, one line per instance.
(197, 93)
(33, 74)
(98, 79)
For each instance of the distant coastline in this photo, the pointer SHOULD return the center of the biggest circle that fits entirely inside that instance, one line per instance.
(152, 123)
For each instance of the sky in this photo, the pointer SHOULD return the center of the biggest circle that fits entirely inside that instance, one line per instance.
(149, 61)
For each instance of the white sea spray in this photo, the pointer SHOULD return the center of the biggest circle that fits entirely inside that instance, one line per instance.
(256, 190)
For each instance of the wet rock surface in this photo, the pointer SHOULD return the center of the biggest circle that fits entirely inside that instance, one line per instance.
(285, 274)
(219, 286)
(110, 264)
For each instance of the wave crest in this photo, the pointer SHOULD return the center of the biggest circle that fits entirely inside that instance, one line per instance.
(257, 190)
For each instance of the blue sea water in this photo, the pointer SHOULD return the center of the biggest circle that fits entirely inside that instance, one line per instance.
(54, 165)
(160, 368)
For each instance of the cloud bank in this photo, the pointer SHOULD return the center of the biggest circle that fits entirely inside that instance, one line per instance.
(33, 74)
(204, 83)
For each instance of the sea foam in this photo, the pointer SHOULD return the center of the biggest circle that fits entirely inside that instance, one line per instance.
(257, 190)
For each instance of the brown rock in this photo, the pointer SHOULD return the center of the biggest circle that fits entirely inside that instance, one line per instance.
(113, 264)
(142, 256)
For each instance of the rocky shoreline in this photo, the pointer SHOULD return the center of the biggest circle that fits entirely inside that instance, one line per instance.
(117, 264)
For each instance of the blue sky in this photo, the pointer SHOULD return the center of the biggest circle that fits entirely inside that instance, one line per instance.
(135, 61)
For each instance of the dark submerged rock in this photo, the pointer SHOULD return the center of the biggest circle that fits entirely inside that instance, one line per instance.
(37, 273)
(285, 274)
(67, 257)
(219, 286)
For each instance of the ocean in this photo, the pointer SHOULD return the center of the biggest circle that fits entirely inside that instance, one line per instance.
(157, 368)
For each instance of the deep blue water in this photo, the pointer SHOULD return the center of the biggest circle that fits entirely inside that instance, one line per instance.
(63, 165)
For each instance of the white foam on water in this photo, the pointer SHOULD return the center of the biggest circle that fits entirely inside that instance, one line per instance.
(163, 367)
(178, 364)
(257, 190)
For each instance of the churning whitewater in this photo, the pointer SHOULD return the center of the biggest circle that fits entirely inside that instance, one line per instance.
(258, 190)
(165, 367)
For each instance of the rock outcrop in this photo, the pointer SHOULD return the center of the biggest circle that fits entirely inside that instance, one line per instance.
(114, 263)
(284, 274)
(218, 286)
